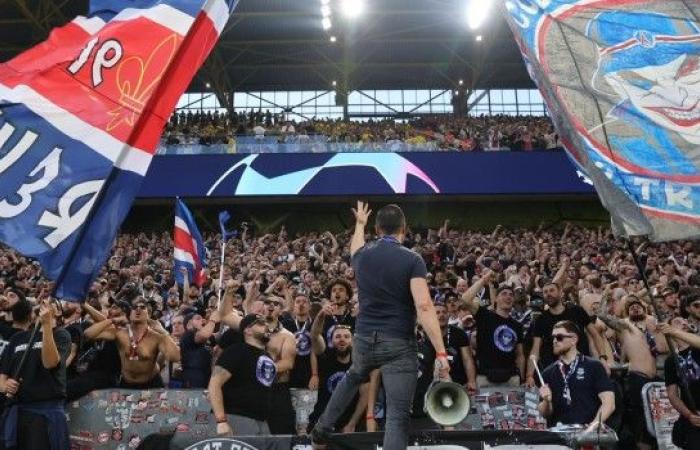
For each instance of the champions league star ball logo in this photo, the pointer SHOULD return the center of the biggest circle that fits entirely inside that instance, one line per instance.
(393, 168)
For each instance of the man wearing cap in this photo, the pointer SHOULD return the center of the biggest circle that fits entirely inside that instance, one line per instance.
(640, 346)
(670, 307)
(240, 385)
(195, 347)
(499, 338)
(690, 307)
(139, 342)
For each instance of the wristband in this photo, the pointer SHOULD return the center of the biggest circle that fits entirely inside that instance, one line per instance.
(441, 355)
(224, 420)
(370, 417)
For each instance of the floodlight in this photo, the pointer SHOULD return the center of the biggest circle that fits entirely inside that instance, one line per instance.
(334, 83)
(208, 85)
(326, 23)
(325, 10)
(333, 39)
(352, 8)
(477, 12)
(478, 38)
(325, 2)
(461, 82)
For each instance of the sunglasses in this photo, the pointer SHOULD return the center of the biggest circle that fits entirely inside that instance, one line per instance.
(142, 306)
(561, 337)
(272, 302)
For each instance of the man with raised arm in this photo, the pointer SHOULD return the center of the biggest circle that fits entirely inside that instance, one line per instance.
(392, 291)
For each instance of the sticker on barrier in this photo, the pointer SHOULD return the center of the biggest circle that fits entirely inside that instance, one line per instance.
(660, 415)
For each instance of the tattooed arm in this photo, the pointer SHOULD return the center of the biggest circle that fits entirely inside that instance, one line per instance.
(613, 322)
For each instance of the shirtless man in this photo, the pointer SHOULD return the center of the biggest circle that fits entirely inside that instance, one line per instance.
(639, 346)
(140, 340)
(282, 347)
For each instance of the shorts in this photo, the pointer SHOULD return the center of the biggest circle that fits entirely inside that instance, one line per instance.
(634, 411)
(282, 419)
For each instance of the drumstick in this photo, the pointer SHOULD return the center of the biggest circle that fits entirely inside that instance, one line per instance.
(537, 369)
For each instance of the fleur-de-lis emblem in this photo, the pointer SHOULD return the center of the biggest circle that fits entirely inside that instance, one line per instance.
(137, 79)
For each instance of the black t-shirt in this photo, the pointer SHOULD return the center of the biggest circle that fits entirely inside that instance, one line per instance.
(585, 383)
(39, 384)
(384, 270)
(229, 337)
(247, 393)
(454, 340)
(333, 321)
(196, 361)
(99, 356)
(330, 374)
(544, 324)
(6, 332)
(690, 364)
(426, 366)
(75, 330)
(497, 340)
(301, 373)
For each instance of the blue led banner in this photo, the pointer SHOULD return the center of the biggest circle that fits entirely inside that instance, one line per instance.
(336, 174)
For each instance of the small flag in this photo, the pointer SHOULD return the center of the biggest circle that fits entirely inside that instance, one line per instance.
(224, 217)
(189, 247)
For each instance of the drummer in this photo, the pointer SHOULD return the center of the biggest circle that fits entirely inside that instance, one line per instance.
(575, 379)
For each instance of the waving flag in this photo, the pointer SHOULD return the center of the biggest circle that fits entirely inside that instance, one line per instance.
(189, 246)
(622, 83)
(80, 117)
(224, 217)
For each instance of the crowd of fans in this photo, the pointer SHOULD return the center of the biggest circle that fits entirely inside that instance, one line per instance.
(139, 329)
(440, 132)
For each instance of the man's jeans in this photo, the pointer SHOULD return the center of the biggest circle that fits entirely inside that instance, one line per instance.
(398, 361)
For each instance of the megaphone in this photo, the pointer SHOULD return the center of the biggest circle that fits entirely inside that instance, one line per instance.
(446, 403)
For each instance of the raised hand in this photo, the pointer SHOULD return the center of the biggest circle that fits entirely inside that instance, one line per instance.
(362, 213)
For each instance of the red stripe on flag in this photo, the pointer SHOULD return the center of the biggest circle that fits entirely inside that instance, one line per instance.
(183, 241)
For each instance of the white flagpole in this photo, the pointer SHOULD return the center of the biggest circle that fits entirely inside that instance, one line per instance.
(221, 270)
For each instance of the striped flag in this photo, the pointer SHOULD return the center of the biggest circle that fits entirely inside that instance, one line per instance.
(81, 115)
(189, 246)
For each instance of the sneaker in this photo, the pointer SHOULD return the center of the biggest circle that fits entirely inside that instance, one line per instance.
(320, 438)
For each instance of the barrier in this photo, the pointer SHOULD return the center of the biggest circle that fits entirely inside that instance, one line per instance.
(659, 414)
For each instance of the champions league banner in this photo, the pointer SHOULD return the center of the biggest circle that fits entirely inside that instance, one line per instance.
(622, 83)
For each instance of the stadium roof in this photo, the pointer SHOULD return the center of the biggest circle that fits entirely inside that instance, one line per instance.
(281, 45)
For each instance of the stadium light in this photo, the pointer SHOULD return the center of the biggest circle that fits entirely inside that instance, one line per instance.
(335, 83)
(208, 85)
(326, 23)
(477, 12)
(461, 82)
(333, 39)
(325, 2)
(479, 38)
(325, 10)
(352, 8)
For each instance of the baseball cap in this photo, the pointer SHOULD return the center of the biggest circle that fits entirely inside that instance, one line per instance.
(667, 291)
(250, 320)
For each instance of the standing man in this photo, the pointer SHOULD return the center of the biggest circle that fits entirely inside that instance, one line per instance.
(239, 389)
(392, 292)
(195, 349)
(577, 390)
(35, 416)
(462, 367)
(300, 325)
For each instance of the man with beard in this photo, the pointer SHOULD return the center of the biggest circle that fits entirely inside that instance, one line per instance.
(339, 293)
(639, 348)
(282, 349)
(315, 291)
(195, 348)
(139, 343)
(542, 343)
(333, 363)
(149, 291)
(690, 307)
(99, 363)
(577, 390)
(686, 430)
(300, 325)
(240, 386)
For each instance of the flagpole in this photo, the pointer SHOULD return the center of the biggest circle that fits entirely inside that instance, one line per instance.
(221, 270)
(671, 345)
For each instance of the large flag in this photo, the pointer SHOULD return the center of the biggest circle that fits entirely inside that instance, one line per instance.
(189, 249)
(621, 80)
(80, 118)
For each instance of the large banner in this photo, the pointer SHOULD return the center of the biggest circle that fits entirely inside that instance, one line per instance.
(337, 174)
(621, 80)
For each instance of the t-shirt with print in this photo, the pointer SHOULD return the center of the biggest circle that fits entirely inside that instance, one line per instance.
(301, 372)
(330, 373)
(690, 364)
(38, 383)
(586, 378)
(454, 340)
(247, 392)
(497, 340)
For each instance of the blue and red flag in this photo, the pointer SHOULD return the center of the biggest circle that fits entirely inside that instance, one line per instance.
(621, 80)
(81, 115)
(190, 251)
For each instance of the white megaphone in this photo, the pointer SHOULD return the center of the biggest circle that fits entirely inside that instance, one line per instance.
(446, 403)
